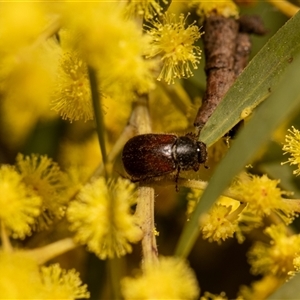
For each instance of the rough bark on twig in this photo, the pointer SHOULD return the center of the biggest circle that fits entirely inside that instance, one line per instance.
(227, 47)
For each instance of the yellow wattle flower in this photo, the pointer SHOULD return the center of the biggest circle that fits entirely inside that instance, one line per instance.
(102, 219)
(279, 257)
(20, 206)
(174, 43)
(170, 278)
(292, 147)
(46, 179)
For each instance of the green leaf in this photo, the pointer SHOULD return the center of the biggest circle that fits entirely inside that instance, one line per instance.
(289, 290)
(281, 104)
(256, 82)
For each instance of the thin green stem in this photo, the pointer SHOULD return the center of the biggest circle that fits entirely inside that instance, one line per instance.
(115, 268)
(127, 133)
(100, 127)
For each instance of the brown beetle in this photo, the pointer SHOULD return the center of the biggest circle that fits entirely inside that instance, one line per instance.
(152, 155)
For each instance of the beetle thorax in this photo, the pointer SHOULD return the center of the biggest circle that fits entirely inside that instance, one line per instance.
(185, 153)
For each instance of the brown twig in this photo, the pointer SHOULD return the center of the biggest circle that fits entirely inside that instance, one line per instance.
(227, 47)
(219, 48)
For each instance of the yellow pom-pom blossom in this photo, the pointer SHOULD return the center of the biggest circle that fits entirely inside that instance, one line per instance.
(262, 195)
(279, 256)
(147, 9)
(218, 225)
(102, 219)
(170, 278)
(19, 204)
(220, 7)
(292, 147)
(61, 284)
(175, 44)
(112, 45)
(19, 277)
(97, 35)
(22, 278)
(221, 222)
(72, 94)
(48, 181)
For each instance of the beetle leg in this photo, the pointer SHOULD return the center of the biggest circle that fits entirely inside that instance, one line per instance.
(176, 179)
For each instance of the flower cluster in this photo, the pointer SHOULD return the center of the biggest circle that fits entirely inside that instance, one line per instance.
(175, 44)
(263, 196)
(102, 219)
(280, 257)
(57, 61)
(251, 199)
(49, 59)
(22, 278)
(19, 204)
(222, 221)
(217, 225)
(32, 194)
(47, 180)
(115, 51)
(72, 95)
(179, 281)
